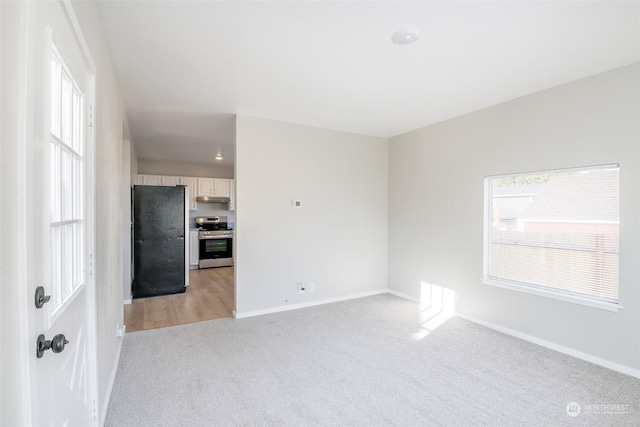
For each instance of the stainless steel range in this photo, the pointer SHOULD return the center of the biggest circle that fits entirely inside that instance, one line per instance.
(216, 242)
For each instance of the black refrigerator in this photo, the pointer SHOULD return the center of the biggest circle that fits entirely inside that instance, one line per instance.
(160, 240)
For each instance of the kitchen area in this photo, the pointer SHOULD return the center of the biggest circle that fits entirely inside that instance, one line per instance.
(203, 237)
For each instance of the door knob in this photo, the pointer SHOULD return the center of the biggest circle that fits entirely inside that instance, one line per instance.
(56, 344)
(41, 298)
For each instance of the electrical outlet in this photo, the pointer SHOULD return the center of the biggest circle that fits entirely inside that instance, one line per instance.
(312, 287)
(120, 330)
(301, 288)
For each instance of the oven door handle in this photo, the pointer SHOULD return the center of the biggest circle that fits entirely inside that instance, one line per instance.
(215, 237)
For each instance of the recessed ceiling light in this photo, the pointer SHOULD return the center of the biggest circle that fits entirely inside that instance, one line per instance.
(404, 37)
(219, 156)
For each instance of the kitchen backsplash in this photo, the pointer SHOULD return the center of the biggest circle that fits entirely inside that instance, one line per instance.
(211, 209)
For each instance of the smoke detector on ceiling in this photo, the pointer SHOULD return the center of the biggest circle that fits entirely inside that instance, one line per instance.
(404, 37)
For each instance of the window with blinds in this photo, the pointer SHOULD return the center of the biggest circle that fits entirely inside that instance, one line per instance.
(556, 232)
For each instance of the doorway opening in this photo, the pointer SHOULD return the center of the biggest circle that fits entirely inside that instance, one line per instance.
(210, 295)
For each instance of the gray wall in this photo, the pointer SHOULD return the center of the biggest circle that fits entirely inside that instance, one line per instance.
(436, 205)
(133, 163)
(110, 116)
(157, 167)
(338, 239)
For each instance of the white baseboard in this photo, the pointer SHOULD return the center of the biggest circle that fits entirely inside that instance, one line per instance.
(306, 304)
(538, 341)
(112, 378)
(404, 296)
(553, 346)
(127, 301)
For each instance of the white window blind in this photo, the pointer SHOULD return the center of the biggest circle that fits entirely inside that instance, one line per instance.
(555, 231)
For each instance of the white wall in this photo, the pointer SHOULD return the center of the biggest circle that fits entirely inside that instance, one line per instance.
(338, 239)
(436, 205)
(157, 167)
(110, 116)
(13, 397)
(133, 162)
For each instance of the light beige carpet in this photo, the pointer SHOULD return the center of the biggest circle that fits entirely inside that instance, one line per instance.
(358, 363)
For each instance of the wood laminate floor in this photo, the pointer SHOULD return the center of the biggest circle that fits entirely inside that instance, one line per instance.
(208, 296)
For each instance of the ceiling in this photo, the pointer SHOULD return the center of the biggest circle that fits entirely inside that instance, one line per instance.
(186, 68)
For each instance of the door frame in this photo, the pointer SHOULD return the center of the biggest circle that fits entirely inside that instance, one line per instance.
(29, 330)
(24, 335)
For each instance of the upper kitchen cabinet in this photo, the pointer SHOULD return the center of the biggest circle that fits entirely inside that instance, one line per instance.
(213, 187)
(159, 180)
(192, 185)
(206, 187)
(222, 187)
(198, 187)
(150, 179)
(171, 181)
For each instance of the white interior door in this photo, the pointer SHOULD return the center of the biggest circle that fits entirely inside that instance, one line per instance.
(59, 157)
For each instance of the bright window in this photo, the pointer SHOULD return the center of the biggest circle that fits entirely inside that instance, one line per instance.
(555, 233)
(66, 185)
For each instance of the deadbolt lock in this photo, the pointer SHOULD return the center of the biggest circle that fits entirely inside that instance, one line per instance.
(41, 298)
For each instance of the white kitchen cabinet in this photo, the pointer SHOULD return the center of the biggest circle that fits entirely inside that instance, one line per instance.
(221, 187)
(206, 187)
(151, 179)
(139, 180)
(194, 249)
(232, 194)
(211, 187)
(170, 181)
(192, 185)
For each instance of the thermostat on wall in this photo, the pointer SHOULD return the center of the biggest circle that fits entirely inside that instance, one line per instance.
(296, 203)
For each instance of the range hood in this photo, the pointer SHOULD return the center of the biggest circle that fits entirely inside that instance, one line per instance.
(208, 199)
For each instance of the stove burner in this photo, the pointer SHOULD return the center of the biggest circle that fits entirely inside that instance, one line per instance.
(207, 223)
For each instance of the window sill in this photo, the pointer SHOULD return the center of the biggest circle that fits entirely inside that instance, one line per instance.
(602, 305)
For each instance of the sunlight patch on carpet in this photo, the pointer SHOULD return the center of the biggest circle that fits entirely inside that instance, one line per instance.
(439, 305)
